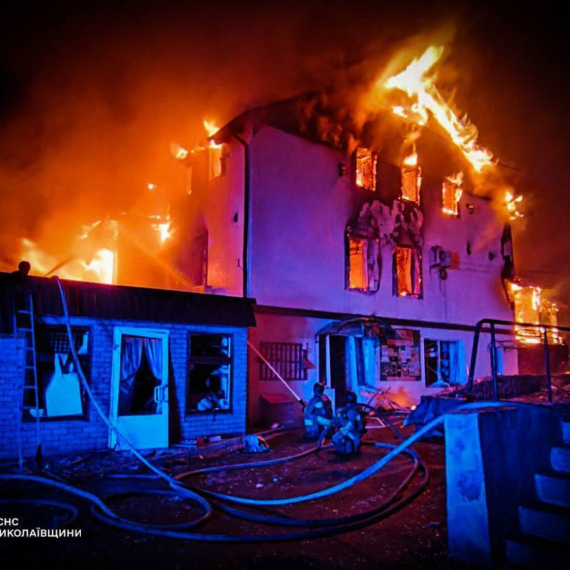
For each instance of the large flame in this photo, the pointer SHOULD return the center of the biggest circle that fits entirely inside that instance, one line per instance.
(418, 82)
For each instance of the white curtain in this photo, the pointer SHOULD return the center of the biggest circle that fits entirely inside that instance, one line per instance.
(153, 353)
(131, 357)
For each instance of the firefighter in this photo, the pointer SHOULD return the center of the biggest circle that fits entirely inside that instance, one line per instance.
(349, 426)
(318, 413)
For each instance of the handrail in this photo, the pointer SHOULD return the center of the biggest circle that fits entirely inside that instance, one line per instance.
(492, 323)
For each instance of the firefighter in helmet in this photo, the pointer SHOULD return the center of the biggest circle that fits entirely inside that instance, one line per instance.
(349, 426)
(318, 413)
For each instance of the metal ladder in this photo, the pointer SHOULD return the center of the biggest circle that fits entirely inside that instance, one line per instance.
(30, 399)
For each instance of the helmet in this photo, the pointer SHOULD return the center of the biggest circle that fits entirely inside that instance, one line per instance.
(350, 397)
(319, 388)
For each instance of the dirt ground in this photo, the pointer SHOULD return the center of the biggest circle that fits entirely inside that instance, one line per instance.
(415, 537)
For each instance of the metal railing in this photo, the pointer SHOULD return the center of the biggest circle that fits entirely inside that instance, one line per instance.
(492, 324)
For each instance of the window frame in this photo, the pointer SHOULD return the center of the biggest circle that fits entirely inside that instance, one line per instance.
(416, 261)
(190, 361)
(350, 237)
(86, 366)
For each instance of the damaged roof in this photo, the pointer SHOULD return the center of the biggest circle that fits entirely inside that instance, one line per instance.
(126, 303)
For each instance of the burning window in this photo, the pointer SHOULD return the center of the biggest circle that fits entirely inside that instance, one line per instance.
(209, 373)
(407, 272)
(444, 362)
(365, 169)
(531, 307)
(217, 157)
(411, 179)
(400, 357)
(452, 191)
(60, 394)
(288, 358)
(363, 271)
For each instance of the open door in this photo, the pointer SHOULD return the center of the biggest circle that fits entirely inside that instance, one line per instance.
(337, 344)
(139, 388)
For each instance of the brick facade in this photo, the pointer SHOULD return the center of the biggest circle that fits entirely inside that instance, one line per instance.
(91, 433)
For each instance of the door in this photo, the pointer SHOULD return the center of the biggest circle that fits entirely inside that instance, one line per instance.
(139, 388)
(337, 346)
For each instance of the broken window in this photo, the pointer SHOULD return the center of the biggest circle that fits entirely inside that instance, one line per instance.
(288, 358)
(60, 393)
(452, 191)
(209, 373)
(407, 272)
(400, 356)
(411, 179)
(444, 362)
(365, 169)
(363, 269)
(531, 307)
(217, 157)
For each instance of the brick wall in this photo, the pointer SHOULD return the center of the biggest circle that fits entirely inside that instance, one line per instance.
(91, 433)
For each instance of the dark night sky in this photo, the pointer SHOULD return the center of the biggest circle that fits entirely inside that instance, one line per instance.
(91, 96)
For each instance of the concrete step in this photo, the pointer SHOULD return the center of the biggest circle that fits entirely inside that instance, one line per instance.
(566, 432)
(551, 523)
(560, 459)
(553, 489)
(537, 553)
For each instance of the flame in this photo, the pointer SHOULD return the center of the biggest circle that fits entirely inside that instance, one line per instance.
(511, 203)
(151, 187)
(211, 128)
(532, 307)
(164, 231)
(178, 151)
(411, 160)
(452, 191)
(102, 266)
(418, 82)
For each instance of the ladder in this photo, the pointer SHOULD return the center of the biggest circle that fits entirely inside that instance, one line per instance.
(24, 323)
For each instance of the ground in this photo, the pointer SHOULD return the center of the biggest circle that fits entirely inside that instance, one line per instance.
(414, 537)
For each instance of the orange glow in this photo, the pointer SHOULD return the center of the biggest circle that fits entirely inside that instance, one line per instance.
(532, 307)
(100, 267)
(452, 192)
(211, 128)
(178, 151)
(418, 82)
(512, 203)
(411, 178)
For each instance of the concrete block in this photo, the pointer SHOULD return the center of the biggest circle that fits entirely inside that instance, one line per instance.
(544, 524)
(560, 459)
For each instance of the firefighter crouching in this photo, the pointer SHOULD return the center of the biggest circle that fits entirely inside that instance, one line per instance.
(318, 413)
(349, 426)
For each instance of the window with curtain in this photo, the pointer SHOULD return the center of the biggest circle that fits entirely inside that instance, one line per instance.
(444, 362)
(141, 373)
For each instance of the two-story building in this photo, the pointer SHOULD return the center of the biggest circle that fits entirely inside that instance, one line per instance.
(370, 258)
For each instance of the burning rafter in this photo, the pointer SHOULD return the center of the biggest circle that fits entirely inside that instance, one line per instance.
(418, 82)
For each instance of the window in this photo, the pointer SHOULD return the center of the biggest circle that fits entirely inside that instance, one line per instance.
(362, 267)
(411, 179)
(60, 392)
(367, 351)
(444, 362)
(365, 169)
(407, 272)
(289, 359)
(400, 357)
(452, 191)
(217, 158)
(209, 373)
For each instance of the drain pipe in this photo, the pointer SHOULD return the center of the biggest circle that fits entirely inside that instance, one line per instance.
(246, 215)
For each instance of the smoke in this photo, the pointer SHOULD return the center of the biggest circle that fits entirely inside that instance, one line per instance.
(92, 97)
